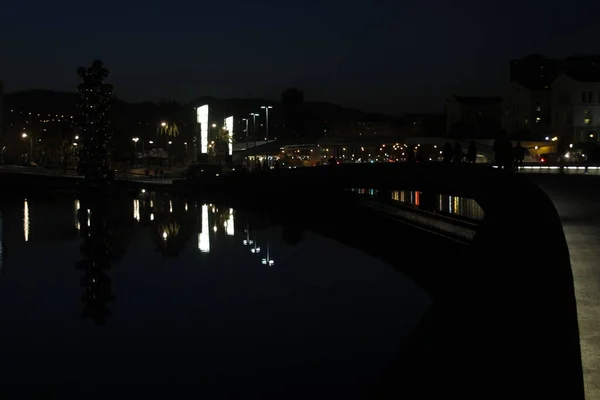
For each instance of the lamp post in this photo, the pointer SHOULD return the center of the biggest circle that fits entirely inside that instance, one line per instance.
(186, 153)
(267, 108)
(254, 115)
(246, 121)
(135, 140)
(24, 136)
(169, 143)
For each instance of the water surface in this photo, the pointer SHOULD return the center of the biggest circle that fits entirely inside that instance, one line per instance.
(164, 290)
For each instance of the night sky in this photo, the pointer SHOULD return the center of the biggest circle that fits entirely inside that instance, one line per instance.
(388, 56)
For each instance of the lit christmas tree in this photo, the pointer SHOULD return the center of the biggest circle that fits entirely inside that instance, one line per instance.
(93, 122)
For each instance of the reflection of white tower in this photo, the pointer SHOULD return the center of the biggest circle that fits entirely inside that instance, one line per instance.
(26, 220)
(1, 242)
(77, 225)
(230, 228)
(136, 209)
(203, 236)
(268, 260)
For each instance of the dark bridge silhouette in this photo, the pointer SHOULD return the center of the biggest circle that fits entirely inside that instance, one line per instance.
(503, 322)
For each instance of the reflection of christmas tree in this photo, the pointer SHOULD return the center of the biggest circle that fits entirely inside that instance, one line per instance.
(97, 251)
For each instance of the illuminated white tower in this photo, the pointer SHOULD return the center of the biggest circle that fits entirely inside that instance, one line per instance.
(202, 119)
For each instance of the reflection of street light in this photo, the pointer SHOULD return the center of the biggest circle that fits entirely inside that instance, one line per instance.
(255, 249)
(165, 235)
(268, 261)
(247, 241)
(151, 142)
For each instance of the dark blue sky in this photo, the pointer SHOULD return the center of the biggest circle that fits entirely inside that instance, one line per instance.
(391, 56)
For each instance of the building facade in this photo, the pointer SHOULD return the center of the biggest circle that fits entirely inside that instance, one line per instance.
(576, 107)
(526, 111)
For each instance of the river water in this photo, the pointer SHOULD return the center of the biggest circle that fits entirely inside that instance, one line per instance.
(168, 290)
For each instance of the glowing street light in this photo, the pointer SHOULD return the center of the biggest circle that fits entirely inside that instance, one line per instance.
(267, 108)
(135, 140)
(163, 124)
(24, 135)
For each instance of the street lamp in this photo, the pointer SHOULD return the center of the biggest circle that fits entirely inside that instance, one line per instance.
(163, 124)
(24, 136)
(246, 121)
(254, 115)
(267, 119)
(135, 140)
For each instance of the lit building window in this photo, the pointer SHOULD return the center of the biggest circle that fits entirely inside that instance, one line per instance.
(538, 119)
(587, 121)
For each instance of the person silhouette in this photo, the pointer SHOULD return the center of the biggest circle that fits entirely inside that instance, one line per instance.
(448, 152)
(519, 155)
(472, 153)
(458, 153)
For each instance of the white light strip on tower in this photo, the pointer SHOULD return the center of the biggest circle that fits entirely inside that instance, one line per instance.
(229, 127)
(202, 118)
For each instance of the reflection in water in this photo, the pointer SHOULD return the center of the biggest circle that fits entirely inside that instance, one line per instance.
(136, 209)
(76, 207)
(206, 308)
(97, 258)
(1, 242)
(26, 220)
(203, 236)
(230, 224)
(268, 260)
